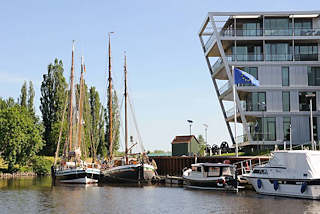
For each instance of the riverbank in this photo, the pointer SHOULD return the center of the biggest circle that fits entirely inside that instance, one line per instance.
(17, 175)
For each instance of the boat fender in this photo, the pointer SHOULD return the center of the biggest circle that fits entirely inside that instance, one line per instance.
(275, 185)
(259, 183)
(303, 187)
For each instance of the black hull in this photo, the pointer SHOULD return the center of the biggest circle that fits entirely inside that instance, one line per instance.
(128, 175)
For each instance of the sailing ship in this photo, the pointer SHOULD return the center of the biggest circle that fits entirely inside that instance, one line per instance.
(138, 170)
(71, 168)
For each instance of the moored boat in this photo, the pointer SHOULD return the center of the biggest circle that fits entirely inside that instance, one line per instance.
(212, 176)
(293, 173)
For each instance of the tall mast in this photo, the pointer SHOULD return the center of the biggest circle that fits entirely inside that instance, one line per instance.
(71, 98)
(110, 101)
(80, 103)
(125, 107)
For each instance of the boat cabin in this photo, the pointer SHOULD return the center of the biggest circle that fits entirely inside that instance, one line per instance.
(213, 169)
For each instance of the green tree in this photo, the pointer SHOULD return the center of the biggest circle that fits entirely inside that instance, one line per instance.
(23, 95)
(202, 145)
(31, 95)
(53, 97)
(97, 122)
(20, 137)
(115, 122)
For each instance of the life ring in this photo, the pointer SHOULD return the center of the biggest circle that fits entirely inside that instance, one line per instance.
(221, 182)
(259, 183)
(303, 187)
(275, 185)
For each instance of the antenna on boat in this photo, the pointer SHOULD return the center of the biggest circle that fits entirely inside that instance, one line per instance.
(125, 104)
(110, 99)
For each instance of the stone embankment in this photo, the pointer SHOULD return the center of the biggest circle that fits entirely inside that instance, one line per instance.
(17, 174)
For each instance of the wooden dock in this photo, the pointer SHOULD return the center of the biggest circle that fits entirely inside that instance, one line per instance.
(173, 165)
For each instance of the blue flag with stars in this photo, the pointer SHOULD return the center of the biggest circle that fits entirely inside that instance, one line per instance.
(242, 77)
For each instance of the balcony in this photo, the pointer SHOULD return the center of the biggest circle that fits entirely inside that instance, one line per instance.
(273, 57)
(270, 32)
(230, 112)
(225, 87)
(217, 65)
(208, 44)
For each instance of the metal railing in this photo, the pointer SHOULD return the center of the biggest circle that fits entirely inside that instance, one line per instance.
(217, 65)
(272, 57)
(225, 87)
(270, 32)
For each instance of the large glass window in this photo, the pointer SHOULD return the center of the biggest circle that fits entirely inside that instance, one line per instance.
(256, 101)
(285, 76)
(247, 53)
(264, 129)
(277, 27)
(302, 27)
(285, 101)
(278, 52)
(248, 28)
(286, 128)
(306, 52)
(304, 102)
(314, 76)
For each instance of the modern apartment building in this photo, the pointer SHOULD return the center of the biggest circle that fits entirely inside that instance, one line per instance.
(281, 50)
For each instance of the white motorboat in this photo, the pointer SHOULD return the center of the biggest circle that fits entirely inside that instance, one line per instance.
(293, 173)
(215, 176)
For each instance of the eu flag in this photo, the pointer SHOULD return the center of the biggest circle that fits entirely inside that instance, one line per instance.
(242, 77)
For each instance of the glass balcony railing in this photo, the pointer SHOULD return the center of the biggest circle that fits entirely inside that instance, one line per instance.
(271, 32)
(273, 57)
(230, 112)
(217, 65)
(209, 42)
(224, 88)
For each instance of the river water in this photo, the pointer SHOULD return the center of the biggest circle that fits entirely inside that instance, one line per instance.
(36, 195)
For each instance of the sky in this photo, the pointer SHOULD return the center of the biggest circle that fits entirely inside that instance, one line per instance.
(168, 78)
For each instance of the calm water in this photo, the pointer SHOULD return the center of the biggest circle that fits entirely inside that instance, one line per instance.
(35, 195)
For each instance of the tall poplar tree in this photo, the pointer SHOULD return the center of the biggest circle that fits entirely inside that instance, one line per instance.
(23, 95)
(53, 97)
(116, 124)
(31, 95)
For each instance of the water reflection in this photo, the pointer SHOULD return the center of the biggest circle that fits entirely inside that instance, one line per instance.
(36, 195)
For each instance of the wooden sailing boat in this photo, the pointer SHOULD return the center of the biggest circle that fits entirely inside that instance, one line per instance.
(135, 172)
(71, 168)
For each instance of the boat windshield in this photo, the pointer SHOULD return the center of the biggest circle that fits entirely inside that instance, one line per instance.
(196, 168)
(226, 171)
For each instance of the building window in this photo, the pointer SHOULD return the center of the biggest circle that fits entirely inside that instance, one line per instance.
(285, 76)
(315, 128)
(256, 101)
(264, 129)
(278, 52)
(286, 128)
(277, 27)
(285, 101)
(306, 52)
(313, 76)
(302, 27)
(304, 102)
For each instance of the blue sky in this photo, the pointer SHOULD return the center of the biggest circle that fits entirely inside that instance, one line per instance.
(168, 78)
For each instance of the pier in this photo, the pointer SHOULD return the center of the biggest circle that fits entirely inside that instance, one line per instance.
(173, 165)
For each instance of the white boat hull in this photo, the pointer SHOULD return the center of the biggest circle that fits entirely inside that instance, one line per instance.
(286, 190)
(78, 176)
(84, 180)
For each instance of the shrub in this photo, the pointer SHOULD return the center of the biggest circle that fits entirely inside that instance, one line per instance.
(42, 165)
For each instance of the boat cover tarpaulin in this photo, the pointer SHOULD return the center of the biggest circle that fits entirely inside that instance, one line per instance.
(302, 164)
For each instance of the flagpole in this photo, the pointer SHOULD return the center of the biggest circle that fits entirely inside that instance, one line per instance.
(235, 112)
